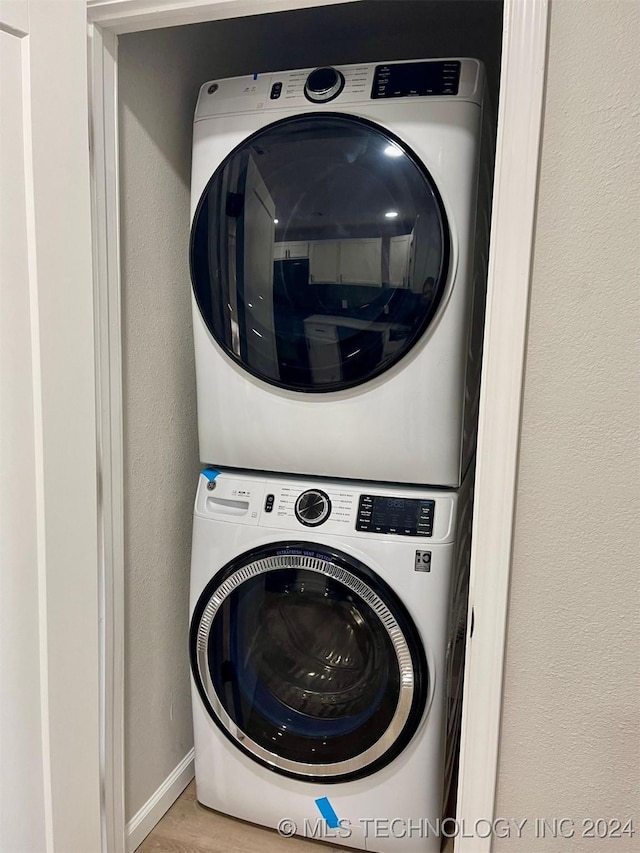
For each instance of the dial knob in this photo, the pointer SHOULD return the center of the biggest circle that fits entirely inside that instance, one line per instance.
(323, 84)
(313, 507)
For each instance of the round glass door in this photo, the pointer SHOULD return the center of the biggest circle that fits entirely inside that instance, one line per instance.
(319, 252)
(308, 662)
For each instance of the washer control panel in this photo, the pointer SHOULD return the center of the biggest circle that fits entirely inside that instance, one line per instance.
(401, 516)
(353, 509)
(313, 507)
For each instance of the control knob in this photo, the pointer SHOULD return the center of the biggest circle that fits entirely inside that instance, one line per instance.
(323, 84)
(313, 507)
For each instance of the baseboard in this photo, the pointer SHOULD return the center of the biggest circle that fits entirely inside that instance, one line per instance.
(159, 802)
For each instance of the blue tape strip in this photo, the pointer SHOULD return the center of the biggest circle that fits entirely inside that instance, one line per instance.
(210, 473)
(326, 810)
(255, 76)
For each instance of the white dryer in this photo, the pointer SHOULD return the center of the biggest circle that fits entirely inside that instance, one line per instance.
(321, 619)
(335, 215)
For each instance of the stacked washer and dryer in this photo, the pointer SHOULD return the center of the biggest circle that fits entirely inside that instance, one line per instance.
(339, 232)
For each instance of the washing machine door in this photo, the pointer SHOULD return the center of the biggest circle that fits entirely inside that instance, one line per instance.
(319, 252)
(308, 662)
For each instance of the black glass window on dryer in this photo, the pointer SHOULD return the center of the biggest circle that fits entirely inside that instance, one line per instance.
(319, 252)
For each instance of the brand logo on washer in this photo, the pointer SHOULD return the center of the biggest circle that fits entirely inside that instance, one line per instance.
(423, 561)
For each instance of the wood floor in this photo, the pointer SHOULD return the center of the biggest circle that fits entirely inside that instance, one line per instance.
(190, 828)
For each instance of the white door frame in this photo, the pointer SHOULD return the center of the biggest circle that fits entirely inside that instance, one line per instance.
(49, 686)
(524, 54)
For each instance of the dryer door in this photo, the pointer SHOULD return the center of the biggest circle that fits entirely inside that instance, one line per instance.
(319, 252)
(308, 662)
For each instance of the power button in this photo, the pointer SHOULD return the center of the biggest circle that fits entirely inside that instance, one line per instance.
(268, 504)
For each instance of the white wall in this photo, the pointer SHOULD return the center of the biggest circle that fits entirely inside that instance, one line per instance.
(569, 742)
(160, 73)
(161, 452)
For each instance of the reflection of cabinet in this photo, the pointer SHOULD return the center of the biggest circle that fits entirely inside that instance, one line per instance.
(399, 251)
(287, 251)
(346, 261)
(356, 261)
(360, 261)
(324, 261)
(324, 349)
(323, 341)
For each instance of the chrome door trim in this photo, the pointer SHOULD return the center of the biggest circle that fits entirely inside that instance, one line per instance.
(356, 585)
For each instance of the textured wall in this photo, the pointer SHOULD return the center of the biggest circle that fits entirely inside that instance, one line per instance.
(160, 73)
(161, 451)
(569, 744)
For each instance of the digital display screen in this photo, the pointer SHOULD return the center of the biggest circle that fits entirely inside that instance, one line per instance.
(402, 516)
(416, 78)
(395, 511)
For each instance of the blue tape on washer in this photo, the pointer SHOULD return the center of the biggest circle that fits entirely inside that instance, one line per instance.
(210, 473)
(328, 813)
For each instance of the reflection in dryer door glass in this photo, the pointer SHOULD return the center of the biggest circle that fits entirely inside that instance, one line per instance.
(319, 252)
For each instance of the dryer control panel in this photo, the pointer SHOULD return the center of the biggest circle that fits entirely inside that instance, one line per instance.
(411, 79)
(329, 87)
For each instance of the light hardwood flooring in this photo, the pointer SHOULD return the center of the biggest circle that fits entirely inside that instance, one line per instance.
(188, 827)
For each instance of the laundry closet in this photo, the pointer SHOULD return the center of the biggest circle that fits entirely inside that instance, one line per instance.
(160, 73)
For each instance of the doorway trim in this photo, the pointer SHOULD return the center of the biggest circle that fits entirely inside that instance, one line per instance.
(524, 56)
(518, 147)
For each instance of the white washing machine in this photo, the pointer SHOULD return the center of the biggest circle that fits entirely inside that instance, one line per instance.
(322, 614)
(338, 258)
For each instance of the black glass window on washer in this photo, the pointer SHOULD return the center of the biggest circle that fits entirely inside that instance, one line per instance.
(304, 667)
(319, 252)
(310, 672)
